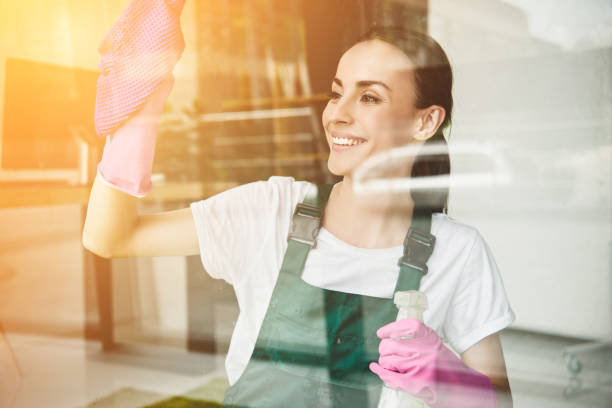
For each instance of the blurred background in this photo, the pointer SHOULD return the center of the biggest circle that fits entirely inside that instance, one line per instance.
(532, 133)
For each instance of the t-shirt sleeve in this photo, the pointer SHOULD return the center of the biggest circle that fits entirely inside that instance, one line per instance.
(479, 306)
(240, 224)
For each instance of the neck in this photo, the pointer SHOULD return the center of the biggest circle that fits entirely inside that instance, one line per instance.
(368, 220)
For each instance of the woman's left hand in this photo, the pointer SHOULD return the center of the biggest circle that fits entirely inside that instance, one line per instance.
(414, 359)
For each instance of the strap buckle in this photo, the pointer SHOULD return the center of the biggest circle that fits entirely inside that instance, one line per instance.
(305, 224)
(418, 246)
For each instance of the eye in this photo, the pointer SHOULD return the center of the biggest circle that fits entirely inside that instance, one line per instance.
(369, 98)
(333, 96)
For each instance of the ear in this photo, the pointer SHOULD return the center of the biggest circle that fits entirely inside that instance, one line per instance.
(428, 122)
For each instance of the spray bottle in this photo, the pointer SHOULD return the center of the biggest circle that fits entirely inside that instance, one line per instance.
(411, 305)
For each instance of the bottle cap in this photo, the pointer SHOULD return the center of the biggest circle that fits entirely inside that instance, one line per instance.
(410, 298)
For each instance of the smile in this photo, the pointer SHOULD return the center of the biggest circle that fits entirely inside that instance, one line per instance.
(344, 141)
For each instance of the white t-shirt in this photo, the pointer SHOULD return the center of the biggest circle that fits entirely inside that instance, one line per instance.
(242, 235)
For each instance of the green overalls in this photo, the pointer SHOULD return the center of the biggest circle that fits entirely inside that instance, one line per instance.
(315, 345)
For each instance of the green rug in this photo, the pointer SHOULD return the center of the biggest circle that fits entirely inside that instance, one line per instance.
(127, 398)
(207, 395)
(182, 402)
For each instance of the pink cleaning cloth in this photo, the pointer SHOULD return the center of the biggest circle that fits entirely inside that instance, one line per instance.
(138, 53)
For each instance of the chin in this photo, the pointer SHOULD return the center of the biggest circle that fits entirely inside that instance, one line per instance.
(335, 172)
(333, 167)
(337, 168)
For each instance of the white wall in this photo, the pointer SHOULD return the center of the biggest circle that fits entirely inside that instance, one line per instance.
(533, 84)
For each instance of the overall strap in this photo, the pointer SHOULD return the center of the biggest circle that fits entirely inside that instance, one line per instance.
(418, 246)
(305, 225)
(306, 222)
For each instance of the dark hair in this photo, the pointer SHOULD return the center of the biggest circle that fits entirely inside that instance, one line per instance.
(433, 79)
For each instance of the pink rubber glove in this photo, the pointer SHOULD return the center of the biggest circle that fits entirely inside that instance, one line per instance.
(138, 53)
(127, 160)
(414, 359)
(138, 56)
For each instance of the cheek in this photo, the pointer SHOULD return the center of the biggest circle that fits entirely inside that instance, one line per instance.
(394, 129)
(325, 116)
(403, 125)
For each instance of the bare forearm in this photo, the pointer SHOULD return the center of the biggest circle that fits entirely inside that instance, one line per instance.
(487, 358)
(111, 216)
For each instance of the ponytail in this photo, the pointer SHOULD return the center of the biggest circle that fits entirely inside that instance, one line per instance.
(430, 165)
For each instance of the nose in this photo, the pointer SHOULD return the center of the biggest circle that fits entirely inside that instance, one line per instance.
(340, 111)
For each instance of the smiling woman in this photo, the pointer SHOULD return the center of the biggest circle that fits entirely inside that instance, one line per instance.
(392, 104)
(316, 303)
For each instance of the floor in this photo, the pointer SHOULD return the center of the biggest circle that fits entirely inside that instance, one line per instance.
(68, 372)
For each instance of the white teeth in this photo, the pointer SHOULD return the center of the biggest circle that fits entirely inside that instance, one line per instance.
(345, 141)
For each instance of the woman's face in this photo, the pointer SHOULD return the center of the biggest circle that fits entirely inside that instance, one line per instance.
(372, 105)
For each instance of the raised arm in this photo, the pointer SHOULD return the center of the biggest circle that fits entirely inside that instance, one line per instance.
(137, 58)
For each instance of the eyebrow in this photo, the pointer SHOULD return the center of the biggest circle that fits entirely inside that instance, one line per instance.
(364, 83)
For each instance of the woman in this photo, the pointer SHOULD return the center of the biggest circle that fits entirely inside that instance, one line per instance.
(392, 88)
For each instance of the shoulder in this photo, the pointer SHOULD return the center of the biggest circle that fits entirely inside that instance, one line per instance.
(463, 245)
(271, 193)
(453, 232)
(287, 187)
(458, 244)
(281, 194)
(254, 217)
